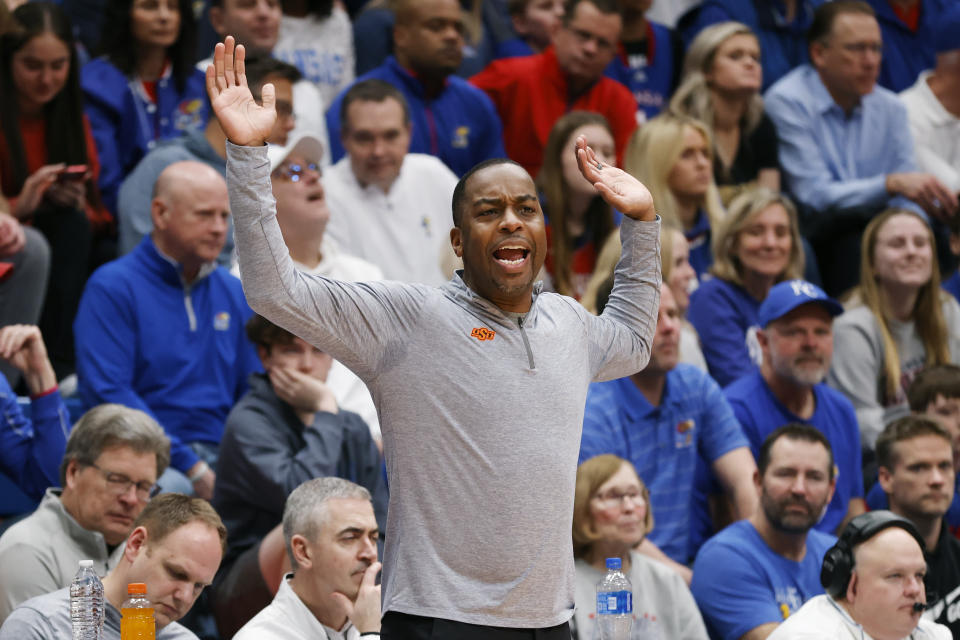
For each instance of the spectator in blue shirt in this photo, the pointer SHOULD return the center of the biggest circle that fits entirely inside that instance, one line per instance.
(845, 146)
(144, 87)
(796, 339)
(31, 450)
(780, 25)
(661, 419)
(452, 119)
(752, 575)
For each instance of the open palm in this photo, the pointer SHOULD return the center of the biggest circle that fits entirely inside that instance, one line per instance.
(245, 122)
(620, 189)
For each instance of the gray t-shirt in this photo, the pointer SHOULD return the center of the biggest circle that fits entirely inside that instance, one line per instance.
(48, 616)
(858, 364)
(481, 412)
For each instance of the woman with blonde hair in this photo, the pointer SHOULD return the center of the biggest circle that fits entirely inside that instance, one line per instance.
(611, 517)
(673, 156)
(721, 85)
(579, 220)
(756, 246)
(897, 322)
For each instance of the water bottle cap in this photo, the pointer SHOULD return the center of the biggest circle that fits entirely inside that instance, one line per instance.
(136, 588)
(613, 564)
(86, 563)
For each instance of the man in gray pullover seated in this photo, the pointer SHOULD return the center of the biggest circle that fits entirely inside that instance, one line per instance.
(480, 384)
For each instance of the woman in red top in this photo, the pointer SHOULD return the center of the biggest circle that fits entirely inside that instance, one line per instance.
(48, 162)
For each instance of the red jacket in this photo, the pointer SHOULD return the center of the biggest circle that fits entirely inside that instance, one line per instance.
(531, 94)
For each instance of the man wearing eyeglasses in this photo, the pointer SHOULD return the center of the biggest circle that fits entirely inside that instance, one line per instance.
(751, 576)
(175, 548)
(109, 472)
(161, 328)
(845, 144)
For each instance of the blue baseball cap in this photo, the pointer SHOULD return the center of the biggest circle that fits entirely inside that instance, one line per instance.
(790, 294)
(946, 30)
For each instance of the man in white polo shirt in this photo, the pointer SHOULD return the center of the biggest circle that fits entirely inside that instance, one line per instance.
(389, 207)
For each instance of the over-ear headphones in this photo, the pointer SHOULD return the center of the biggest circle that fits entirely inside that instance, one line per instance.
(838, 561)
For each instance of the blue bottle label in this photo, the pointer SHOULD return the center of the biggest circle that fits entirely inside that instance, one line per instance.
(614, 602)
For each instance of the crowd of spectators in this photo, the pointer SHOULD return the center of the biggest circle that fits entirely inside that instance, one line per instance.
(803, 157)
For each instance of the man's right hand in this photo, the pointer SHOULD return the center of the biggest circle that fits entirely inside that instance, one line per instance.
(203, 486)
(364, 611)
(22, 346)
(301, 391)
(927, 191)
(243, 121)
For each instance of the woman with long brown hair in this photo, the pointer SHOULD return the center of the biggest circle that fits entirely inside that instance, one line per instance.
(897, 322)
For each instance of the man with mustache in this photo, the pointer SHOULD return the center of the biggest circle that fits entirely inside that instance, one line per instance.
(175, 548)
(917, 474)
(752, 575)
(331, 536)
(797, 345)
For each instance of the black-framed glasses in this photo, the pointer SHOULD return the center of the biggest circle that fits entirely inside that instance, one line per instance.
(119, 484)
(293, 172)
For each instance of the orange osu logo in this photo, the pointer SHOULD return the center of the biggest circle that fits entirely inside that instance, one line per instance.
(482, 333)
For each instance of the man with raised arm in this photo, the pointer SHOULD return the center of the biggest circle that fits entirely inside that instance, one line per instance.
(480, 383)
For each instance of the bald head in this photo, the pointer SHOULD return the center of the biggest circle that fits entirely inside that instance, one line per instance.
(190, 209)
(428, 36)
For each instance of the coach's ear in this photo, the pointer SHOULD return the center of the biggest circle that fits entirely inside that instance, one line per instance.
(456, 241)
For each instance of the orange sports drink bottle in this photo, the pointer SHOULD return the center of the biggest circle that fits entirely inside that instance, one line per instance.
(138, 621)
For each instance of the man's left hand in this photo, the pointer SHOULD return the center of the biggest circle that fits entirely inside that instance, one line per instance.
(620, 189)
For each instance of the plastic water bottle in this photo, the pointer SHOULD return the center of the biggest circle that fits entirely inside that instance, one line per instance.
(614, 603)
(138, 621)
(86, 603)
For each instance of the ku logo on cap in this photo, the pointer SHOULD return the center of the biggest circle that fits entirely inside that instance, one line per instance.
(804, 288)
(482, 333)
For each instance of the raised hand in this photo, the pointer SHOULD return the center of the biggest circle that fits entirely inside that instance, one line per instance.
(364, 610)
(245, 122)
(620, 189)
(22, 346)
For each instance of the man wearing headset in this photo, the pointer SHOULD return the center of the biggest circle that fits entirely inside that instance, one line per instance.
(873, 577)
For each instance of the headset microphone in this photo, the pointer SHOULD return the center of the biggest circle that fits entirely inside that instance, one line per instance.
(918, 607)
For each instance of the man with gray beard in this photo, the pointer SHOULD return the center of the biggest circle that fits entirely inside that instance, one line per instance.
(796, 339)
(751, 576)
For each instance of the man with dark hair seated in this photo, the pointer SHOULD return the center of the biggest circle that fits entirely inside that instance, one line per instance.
(749, 577)
(287, 429)
(916, 471)
(835, 162)
(175, 548)
(934, 394)
(108, 474)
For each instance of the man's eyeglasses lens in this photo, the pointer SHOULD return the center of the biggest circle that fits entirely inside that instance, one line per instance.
(120, 484)
(293, 172)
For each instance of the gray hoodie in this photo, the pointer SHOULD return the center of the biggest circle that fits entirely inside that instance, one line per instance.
(481, 410)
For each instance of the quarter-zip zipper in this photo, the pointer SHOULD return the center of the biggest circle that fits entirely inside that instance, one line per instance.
(526, 343)
(188, 303)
